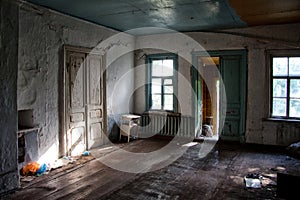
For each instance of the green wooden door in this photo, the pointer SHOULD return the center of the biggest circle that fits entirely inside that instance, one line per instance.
(233, 71)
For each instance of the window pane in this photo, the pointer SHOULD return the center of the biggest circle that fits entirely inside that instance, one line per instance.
(168, 89)
(279, 107)
(168, 82)
(157, 68)
(295, 88)
(168, 104)
(294, 66)
(294, 108)
(156, 102)
(167, 68)
(156, 86)
(279, 87)
(280, 66)
(162, 68)
(156, 81)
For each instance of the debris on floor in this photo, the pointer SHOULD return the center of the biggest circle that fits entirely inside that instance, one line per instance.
(253, 180)
(61, 162)
(86, 153)
(41, 170)
(294, 150)
(31, 169)
(207, 130)
(34, 170)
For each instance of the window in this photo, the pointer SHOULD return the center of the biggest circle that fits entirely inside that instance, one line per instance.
(285, 86)
(162, 82)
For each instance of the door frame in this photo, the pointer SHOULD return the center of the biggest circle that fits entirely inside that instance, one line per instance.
(244, 81)
(195, 102)
(63, 110)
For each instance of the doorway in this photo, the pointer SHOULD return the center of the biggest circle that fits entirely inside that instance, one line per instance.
(210, 96)
(84, 120)
(221, 93)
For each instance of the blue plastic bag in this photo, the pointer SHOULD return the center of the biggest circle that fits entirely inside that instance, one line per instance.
(41, 170)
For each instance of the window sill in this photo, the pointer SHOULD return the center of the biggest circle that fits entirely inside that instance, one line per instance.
(281, 120)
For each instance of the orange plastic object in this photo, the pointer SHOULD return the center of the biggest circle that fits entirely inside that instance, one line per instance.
(30, 168)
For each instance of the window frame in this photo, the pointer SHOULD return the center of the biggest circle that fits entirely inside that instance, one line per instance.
(280, 54)
(161, 56)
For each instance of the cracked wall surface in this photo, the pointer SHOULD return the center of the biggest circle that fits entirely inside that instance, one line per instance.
(9, 25)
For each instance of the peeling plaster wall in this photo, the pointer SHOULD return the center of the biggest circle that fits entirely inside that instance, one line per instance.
(9, 26)
(119, 96)
(256, 40)
(42, 35)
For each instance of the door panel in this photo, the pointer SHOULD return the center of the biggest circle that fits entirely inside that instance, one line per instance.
(230, 127)
(95, 101)
(76, 103)
(77, 144)
(231, 77)
(232, 74)
(95, 131)
(84, 101)
(95, 66)
(77, 80)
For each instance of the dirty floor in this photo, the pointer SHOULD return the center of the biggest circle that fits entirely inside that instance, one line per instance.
(219, 175)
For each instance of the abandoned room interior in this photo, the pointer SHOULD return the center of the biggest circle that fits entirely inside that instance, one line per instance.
(150, 99)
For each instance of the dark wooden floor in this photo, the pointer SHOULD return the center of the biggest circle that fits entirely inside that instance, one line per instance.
(217, 176)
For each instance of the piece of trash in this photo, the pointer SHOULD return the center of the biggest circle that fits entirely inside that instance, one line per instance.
(30, 168)
(67, 157)
(253, 180)
(26, 179)
(86, 153)
(41, 170)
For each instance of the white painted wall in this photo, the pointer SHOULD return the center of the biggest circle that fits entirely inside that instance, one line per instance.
(256, 40)
(42, 36)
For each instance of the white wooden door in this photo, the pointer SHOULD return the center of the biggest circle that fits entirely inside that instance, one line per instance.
(84, 101)
(95, 104)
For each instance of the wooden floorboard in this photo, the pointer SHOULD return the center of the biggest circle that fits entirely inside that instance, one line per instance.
(93, 173)
(219, 175)
(51, 185)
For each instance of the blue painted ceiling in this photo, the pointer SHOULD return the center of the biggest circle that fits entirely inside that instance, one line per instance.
(179, 15)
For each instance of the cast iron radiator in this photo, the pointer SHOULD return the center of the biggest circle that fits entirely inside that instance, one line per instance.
(168, 124)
